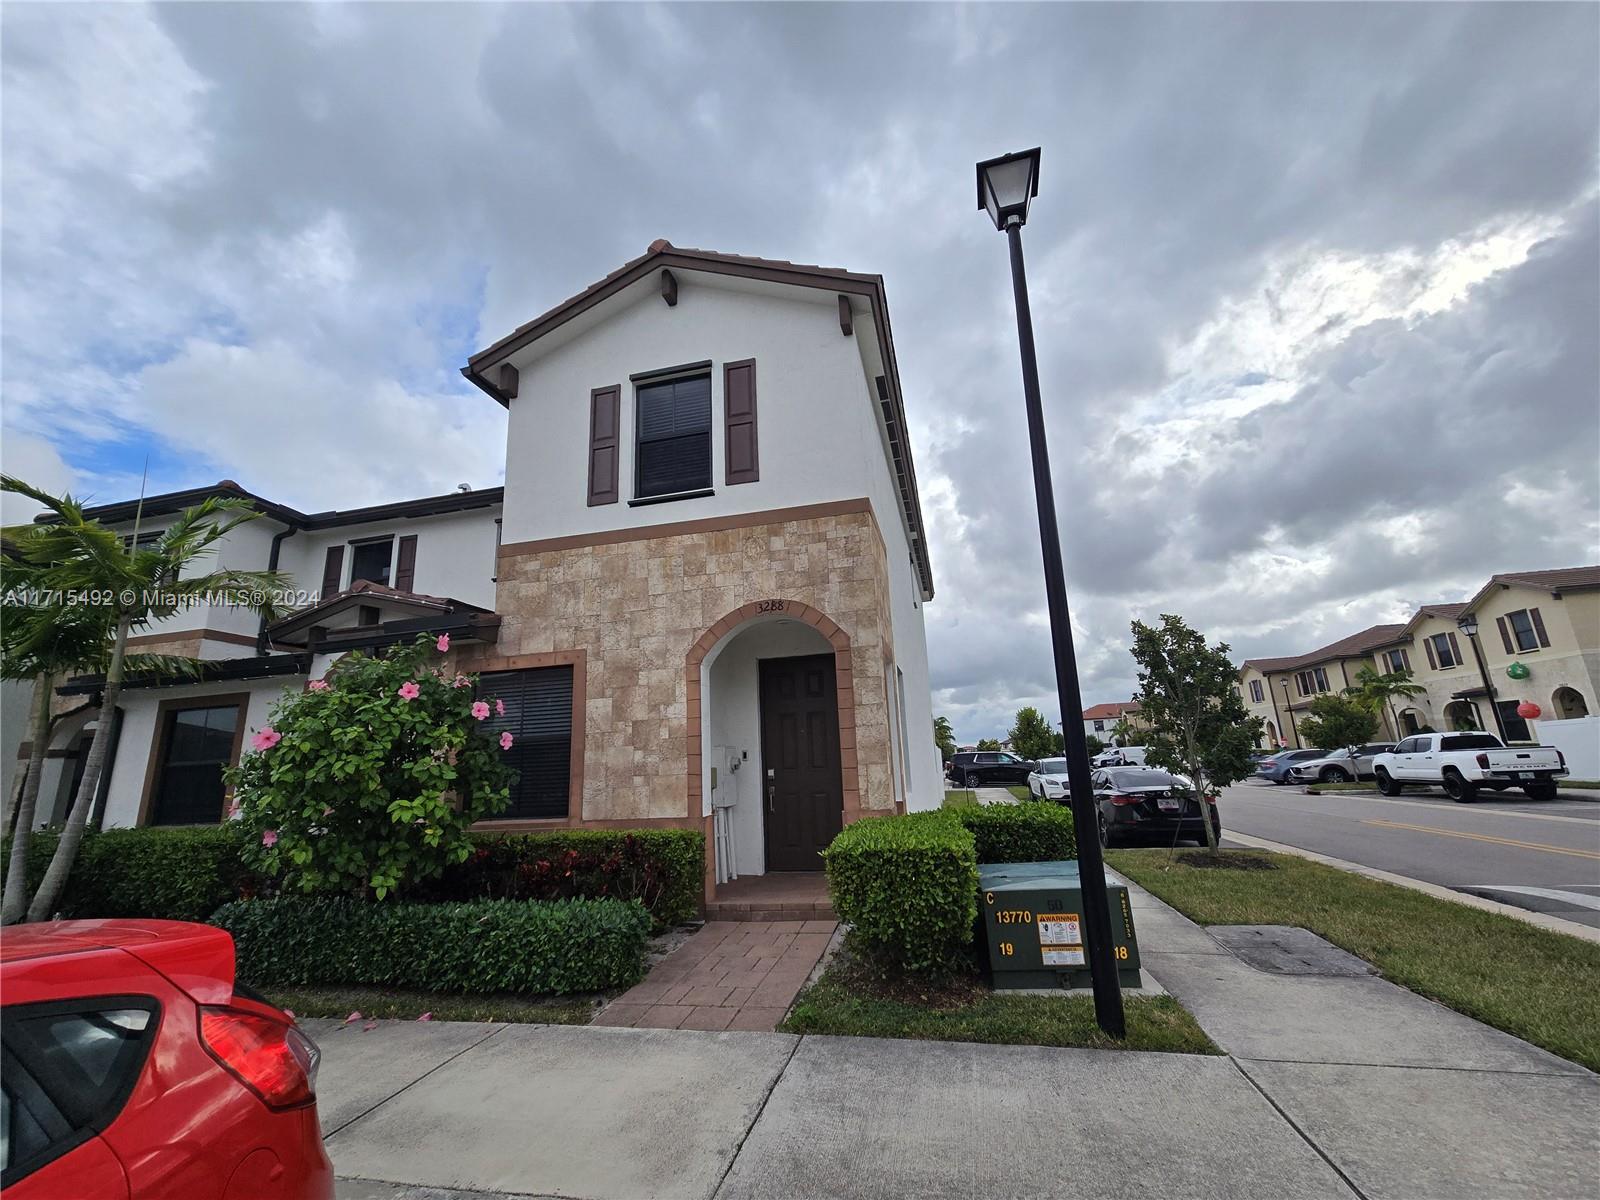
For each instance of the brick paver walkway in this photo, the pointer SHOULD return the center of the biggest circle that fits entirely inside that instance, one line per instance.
(730, 975)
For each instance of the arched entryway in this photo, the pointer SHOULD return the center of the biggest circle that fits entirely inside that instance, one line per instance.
(1568, 704)
(771, 738)
(1411, 721)
(1271, 736)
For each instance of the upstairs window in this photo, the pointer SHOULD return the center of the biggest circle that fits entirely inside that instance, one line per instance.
(674, 437)
(371, 560)
(1525, 629)
(1396, 660)
(1256, 693)
(1444, 652)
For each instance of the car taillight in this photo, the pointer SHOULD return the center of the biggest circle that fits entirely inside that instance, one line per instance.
(1483, 761)
(1119, 799)
(1562, 759)
(273, 1059)
(1269, 763)
(1212, 798)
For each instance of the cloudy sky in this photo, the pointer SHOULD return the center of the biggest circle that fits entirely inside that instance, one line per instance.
(1315, 287)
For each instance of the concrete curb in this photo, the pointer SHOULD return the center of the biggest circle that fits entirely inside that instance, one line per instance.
(1543, 920)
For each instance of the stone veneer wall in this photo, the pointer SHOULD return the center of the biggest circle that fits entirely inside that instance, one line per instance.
(638, 603)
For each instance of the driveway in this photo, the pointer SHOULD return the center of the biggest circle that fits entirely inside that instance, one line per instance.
(1539, 855)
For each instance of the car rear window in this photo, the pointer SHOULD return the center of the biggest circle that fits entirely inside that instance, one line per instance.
(1136, 777)
(70, 1067)
(1052, 766)
(1471, 741)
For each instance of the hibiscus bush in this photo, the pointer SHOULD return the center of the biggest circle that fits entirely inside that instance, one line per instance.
(370, 778)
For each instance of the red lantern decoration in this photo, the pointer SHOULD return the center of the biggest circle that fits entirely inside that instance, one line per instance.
(1528, 710)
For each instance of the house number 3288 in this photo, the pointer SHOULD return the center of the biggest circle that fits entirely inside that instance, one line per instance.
(766, 606)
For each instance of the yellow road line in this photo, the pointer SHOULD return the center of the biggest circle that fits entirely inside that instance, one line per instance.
(1484, 837)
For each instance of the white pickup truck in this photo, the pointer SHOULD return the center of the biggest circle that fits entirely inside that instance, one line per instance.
(1464, 763)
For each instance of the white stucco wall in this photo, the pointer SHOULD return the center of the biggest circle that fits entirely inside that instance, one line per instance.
(819, 434)
(455, 553)
(733, 673)
(1578, 739)
(137, 741)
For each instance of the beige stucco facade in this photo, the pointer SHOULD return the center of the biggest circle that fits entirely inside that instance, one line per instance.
(638, 610)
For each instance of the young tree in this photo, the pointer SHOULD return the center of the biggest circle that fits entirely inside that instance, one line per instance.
(1195, 722)
(1032, 737)
(944, 737)
(1335, 722)
(77, 556)
(1379, 692)
(1126, 733)
(988, 744)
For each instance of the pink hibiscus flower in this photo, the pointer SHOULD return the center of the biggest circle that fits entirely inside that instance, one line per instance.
(505, 741)
(317, 685)
(269, 838)
(409, 690)
(443, 643)
(480, 710)
(463, 681)
(499, 708)
(267, 738)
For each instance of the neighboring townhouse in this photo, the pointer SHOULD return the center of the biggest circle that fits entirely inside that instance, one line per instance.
(1100, 720)
(1280, 690)
(1538, 633)
(700, 591)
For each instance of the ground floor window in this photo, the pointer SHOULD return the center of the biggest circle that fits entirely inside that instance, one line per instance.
(538, 716)
(1516, 728)
(195, 745)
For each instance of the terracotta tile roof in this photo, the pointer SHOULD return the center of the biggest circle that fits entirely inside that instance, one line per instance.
(1556, 580)
(1100, 712)
(1357, 645)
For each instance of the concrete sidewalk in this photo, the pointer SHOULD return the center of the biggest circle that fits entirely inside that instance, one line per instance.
(1337, 1085)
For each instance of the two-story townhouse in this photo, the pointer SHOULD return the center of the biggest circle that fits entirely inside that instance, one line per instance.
(700, 591)
(1280, 690)
(362, 577)
(1101, 720)
(713, 538)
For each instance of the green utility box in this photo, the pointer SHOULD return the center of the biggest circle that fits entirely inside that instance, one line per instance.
(1031, 921)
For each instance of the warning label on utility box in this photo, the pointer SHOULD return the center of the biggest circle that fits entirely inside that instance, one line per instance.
(1059, 929)
(1062, 956)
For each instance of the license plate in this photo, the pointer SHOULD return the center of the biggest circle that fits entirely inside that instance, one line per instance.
(1524, 774)
(1169, 803)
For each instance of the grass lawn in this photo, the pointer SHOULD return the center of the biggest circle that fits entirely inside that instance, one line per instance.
(958, 797)
(398, 1004)
(847, 1002)
(1020, 791)
(1541, 986)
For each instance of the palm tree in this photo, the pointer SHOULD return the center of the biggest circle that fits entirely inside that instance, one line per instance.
(1377, 693)
(944, 737)
(76, 556)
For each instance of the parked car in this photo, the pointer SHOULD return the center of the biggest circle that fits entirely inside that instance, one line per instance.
(1340, 766)
(1120, 756)
(1147, 801)
(1462, 763)
(135, 1066)
(977, 768)
(1048, 781)
(1277, 767)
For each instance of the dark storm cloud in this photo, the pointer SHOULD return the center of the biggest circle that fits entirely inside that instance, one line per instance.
(215, 208)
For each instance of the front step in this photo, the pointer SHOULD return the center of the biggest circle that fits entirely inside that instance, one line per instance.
(771, 910)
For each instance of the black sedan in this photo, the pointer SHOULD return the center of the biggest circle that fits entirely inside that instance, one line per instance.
(1139, 802)
(976, 768)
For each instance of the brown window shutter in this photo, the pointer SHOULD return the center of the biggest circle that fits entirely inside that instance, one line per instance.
(743, 464)
(1433, 662)
(405, 564)
(1455, 650)
(1538, 627)
(332, 570)
(605, 416)
(1405, 659)
(1505, 635)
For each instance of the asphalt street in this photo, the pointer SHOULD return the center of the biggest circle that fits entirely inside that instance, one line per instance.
(1538, 855)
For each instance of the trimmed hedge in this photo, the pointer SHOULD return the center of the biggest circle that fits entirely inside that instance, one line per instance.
(664, 869)
(184, 874)
(527, 946)
(173, 874)
(1030, 832)
(908, 888)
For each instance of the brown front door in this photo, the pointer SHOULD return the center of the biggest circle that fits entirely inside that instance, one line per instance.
(802, 786)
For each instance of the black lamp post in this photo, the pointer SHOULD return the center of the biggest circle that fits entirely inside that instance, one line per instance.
(1467, 622)
(1006, 186)
(1289, 708)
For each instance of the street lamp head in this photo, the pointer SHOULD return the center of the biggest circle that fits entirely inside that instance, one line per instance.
(1007, 185)
(1468, 624)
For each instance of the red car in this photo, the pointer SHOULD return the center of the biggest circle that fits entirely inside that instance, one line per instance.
(135, 1068)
